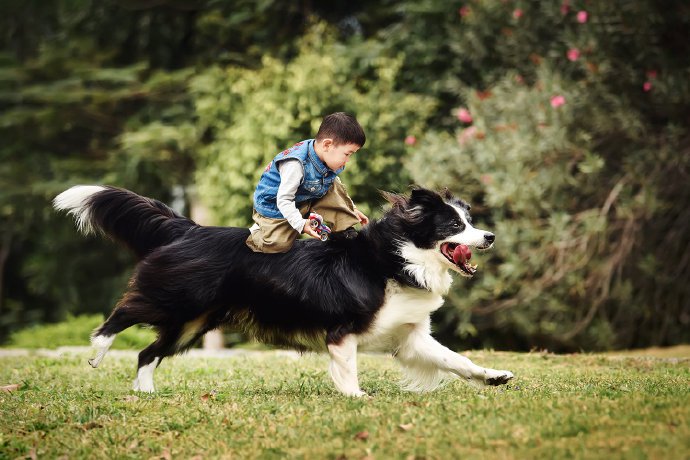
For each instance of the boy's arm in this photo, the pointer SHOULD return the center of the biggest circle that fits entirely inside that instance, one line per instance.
(363, 219)
(291, 175)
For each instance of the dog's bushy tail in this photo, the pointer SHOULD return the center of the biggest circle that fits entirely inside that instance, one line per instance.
(141, 223)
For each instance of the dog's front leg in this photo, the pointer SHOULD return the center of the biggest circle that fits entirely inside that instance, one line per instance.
(422, 357)
(343, 366)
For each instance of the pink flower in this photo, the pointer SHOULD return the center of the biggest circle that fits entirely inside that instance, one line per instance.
(464, 11)
(573, 54)
(466, 135)
(410, 140)
(651, 74)
(464, 115)
(557, 101)
(582, 17)
(647, 86)
(517, 14)
(565, 7)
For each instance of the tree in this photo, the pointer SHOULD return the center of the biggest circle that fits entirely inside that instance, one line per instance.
(68, 112)
(97, 92)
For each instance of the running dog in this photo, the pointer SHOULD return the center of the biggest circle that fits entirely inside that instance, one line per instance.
(374, 292)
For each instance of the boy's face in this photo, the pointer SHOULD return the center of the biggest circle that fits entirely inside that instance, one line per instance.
(336, 155)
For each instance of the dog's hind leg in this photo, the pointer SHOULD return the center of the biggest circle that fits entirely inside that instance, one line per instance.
(102, 344)
(343, 366)
(128, 313)
(426, 363)
(151, 357)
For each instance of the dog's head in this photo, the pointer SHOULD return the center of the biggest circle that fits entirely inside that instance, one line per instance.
(436, 233)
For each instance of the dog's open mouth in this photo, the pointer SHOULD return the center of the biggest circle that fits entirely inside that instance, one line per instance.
(459, 255)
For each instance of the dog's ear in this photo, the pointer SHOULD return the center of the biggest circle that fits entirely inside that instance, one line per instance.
(398, 201)
(445, 193)
(422, 196)
(450, 198)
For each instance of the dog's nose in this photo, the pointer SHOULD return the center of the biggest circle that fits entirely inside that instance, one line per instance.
(489, 237)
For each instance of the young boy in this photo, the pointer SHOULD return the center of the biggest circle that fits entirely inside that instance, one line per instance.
(304, 179)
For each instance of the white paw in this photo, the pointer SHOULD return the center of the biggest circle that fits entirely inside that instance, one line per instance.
(355, 393)
(144, 387)
(494, 377)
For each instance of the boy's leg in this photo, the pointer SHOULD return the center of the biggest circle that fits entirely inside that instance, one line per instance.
(273, 235)
(336, 207)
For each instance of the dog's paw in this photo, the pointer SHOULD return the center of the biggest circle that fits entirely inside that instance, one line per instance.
(143, 387)
(355, 394)
(493, 377)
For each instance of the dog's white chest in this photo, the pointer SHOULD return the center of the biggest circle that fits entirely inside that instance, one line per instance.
(403, 308)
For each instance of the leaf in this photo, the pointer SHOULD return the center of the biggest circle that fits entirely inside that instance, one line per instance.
(406, 426)
(205, 397)
(91, 425)
(362, 435)
(10, 388)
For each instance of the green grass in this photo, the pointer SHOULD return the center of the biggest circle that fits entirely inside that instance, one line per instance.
(273, 406)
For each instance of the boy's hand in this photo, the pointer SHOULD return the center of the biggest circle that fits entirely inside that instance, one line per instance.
(362, 218)
(309, 230)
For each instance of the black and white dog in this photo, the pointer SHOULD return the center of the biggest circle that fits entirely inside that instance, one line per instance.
(372, 292)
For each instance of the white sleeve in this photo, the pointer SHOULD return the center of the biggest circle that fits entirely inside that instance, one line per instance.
(291, 174)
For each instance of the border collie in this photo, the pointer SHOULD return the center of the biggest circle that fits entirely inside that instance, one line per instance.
(373, 292)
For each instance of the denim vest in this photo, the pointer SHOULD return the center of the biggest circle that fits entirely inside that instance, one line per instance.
(318, 178)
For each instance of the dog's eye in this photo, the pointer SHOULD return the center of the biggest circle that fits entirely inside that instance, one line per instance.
(456, 224)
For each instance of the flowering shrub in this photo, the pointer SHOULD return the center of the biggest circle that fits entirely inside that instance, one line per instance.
(577, 158)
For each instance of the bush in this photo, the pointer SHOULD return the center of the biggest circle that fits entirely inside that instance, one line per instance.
(578, 164)
(251, 115)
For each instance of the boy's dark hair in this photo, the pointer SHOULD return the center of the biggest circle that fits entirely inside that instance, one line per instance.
(342, 128)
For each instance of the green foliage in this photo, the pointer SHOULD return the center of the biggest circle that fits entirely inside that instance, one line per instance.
(587, 198)
(75, 331)
(254, 114)
(579, 189)
(272, 405)
(97, 92)
(74, 111)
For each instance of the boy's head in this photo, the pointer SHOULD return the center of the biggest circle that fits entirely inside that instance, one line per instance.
(338, 138)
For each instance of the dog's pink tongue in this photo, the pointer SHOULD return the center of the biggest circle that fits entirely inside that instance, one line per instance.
(461, 254)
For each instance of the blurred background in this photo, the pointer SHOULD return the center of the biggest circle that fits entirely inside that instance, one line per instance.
(565, 123)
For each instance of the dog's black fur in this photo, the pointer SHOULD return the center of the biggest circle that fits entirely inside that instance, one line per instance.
(186, 270)
(207, 277)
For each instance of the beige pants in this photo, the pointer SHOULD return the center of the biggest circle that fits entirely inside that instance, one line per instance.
(277, 235)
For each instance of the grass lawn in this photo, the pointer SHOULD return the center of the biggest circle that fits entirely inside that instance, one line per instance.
(276, 406)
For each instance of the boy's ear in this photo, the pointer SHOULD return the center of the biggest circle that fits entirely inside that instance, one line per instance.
(327, 142)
